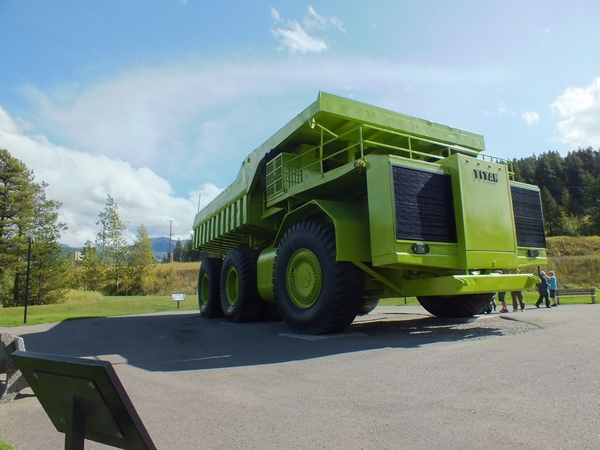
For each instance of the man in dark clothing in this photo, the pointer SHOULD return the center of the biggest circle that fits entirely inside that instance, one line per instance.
(543, 290)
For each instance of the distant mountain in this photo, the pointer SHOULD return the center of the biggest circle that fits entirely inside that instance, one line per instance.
(65, 249)
(160, 247)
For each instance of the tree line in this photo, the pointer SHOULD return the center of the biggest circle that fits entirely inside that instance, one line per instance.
(184, 252)
(569, 188)
(112, 266)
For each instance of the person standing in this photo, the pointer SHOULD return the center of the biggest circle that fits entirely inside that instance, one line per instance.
(543, 290)
(552, 288)
(501, 297)
(517, 295)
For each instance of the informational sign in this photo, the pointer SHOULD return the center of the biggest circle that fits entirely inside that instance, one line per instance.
(84, 399)
(180, 297)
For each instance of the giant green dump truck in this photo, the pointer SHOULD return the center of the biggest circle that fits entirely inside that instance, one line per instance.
(349, 203)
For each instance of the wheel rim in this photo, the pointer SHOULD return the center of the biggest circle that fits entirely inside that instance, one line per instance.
(204, 288)
(231, 286)
(304, 278)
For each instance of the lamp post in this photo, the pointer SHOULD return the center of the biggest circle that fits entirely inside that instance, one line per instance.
(30, 241)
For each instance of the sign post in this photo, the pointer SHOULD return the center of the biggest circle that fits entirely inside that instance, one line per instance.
(178, 297)
(30, 241)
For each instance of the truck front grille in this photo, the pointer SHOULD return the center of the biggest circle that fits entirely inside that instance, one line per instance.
(424, 205)
(529, 219)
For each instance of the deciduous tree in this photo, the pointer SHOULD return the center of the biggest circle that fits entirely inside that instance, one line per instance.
(114, 249)
(142, 263)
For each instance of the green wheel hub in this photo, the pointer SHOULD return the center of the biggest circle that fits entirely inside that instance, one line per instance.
(232, 286)
(304, 278)
(205, 287)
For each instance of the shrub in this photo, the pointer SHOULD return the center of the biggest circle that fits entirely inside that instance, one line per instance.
(76, 296)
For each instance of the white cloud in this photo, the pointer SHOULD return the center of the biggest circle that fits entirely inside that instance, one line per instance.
(296, 38)
(503, 109)
(531, 117)
(82, 181)
(275, 15)
(179, 120)
(172, 119)
(314, 20)
(579, 112)
(338, 24)
(9, 125)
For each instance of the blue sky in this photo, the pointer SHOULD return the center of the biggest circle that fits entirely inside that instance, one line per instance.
(155, 102)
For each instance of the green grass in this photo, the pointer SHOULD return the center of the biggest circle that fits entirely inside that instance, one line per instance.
(105, 307)
(74, 296)
(5, 445)
(401, 301)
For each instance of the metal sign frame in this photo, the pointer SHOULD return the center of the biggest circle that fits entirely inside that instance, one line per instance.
(84, 399)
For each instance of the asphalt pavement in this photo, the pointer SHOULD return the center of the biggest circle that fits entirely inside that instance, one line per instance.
(395, 379)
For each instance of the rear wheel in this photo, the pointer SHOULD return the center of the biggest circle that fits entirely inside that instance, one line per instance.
(457, 306)
(315, 293)
(209, 288)
(240, 299)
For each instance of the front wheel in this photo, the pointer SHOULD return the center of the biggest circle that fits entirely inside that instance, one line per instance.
(457, 306)
(315, 293)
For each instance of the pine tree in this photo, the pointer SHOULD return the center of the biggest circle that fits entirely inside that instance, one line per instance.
(189, 253)
(553, 214)
(591, 195)
(26, 213)
(178, 251)
(49, 280)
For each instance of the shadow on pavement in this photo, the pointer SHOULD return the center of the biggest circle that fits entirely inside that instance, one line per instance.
(189, 342)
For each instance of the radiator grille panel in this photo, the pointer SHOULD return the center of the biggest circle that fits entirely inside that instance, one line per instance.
(529, 220)
(424, 205)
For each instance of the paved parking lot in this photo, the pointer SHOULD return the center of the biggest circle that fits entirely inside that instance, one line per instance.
(397, 378)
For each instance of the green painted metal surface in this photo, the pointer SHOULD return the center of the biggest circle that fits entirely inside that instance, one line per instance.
(353, 164)
(265, 266)
(304, 278)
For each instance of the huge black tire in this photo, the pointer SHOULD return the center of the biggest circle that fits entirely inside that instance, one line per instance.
(270, 313)
(240, 299)
(457, 306)
(209, 288)
(315, 293)
(368, 305)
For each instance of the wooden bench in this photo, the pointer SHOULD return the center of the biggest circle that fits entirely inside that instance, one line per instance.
(576, 293)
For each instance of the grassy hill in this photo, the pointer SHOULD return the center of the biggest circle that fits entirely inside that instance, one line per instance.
(575, 260)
